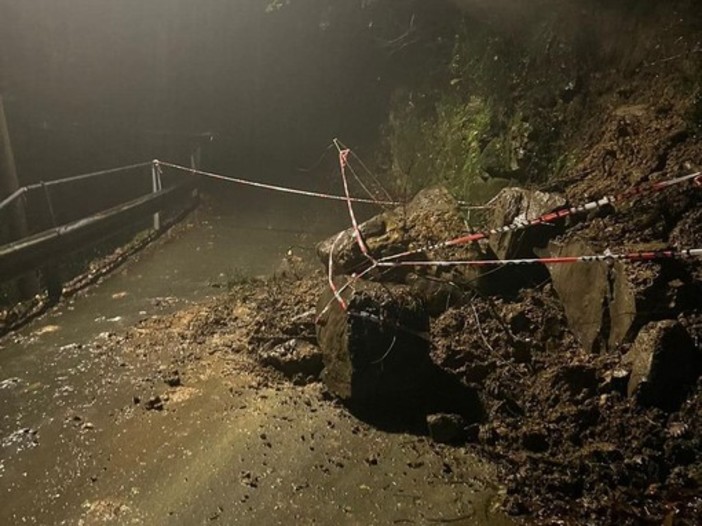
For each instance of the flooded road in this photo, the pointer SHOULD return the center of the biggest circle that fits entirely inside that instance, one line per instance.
(113, 410)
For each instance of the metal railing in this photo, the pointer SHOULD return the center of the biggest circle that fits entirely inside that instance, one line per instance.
(32, 251)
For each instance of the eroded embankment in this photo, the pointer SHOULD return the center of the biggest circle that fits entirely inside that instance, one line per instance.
(582, 100)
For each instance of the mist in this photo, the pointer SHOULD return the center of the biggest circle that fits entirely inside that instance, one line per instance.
(97, 83)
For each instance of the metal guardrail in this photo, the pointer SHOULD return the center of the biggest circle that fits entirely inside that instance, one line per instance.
(36, 186)
(35, 251)
(46, 247)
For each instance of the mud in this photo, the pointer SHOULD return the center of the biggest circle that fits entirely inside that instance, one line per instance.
(573, 446)
(175, 419)
(179, 424)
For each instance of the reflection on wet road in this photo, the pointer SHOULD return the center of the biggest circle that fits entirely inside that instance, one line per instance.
(84, 440)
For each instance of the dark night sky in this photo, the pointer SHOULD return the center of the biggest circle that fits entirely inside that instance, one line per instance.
(93, 83)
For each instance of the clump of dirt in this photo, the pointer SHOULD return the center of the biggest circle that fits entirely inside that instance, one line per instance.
(572, 444)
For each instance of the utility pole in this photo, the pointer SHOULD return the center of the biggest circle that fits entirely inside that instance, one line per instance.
(15, 217)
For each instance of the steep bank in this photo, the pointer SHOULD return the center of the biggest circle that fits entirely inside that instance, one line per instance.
(586, 99)
(547, 93)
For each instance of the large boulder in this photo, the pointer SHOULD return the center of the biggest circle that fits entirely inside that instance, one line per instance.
(664, 363)
(431, 217)
(599, 299)
(376, 351)
(518, 205)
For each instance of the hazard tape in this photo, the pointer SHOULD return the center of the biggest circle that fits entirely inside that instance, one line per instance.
(343, 163)
(549, 218)
(604, 257)
(561, 260)
(276, 188)
(330, 275)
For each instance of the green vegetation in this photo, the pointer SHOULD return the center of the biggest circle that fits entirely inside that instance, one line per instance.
(439, 146)
(464, 127)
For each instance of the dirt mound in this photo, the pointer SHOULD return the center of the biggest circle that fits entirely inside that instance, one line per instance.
(559, 420)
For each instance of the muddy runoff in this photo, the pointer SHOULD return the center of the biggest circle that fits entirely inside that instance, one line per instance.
(159, 397)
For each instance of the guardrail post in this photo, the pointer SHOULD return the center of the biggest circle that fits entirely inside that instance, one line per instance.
(195, 165)
(156, 187)
(51, 272)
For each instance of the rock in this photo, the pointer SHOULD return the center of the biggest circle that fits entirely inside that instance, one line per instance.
(378, 350)
(294, 358)
(519, 322)
(507, 155)
(598, 298)
(291, 267)
(438, 293)
(173, 379)
(615, 381)
(431, 217)
(155, 403)
(446, 428)
(520, 205)
(472, 433)
(664, 363)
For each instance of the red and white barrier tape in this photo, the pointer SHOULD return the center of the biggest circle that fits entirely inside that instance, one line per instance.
(276, 188)
(375, 179)
(343, 162)
(607, 256)
(330, 276)
(391, 261)
(549, 218)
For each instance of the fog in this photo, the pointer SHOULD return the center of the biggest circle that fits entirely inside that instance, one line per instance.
(98, 83)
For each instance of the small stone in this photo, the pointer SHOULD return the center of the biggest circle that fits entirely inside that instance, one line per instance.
(446, 428)
(155, 403)
(615, 381)
(173, 379)
(372, 460)
(664, 364)
(678, 429)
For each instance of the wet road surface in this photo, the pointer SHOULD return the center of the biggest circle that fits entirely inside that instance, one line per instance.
(84, 440)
